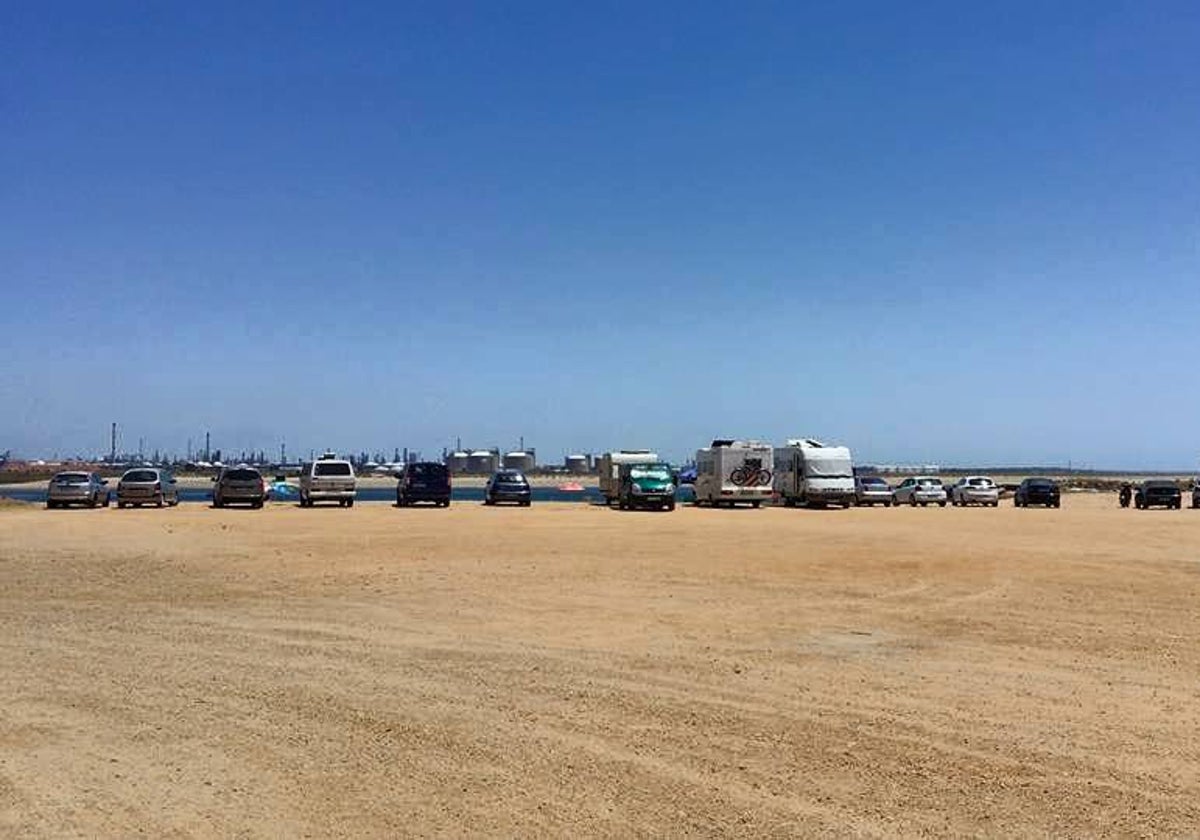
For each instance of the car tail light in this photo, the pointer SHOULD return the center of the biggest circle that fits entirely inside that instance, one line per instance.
(726, 492)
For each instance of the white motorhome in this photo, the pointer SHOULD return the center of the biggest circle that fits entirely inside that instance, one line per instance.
(610, 469)
(807, 472)
(733, 471)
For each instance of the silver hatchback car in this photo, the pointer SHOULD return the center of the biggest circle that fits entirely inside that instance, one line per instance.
(921, 490)
(147, 486)
(975, 490)
(77, 488)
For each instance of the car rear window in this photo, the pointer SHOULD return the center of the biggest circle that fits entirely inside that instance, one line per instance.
(141, 475)
(876, 481)
(511, 477)
(1162, 485)
(243, 475)
(1041, 483)
(71, 477)
(930, 482)
(428, 470)
(980, 482)
(332, 468)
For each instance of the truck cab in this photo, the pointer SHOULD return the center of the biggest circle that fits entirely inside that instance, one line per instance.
(609, 468)
(646, 486)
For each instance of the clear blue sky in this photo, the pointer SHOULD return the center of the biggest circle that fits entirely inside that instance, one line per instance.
(948, 232)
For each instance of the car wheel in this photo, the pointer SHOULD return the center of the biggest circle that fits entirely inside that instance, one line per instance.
(670, 506)
(912, 500)
(107, 499)
(159, 501)
(121, 505)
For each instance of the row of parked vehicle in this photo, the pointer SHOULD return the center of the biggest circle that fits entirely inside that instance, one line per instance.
(326, 480)
(925, 490)
(633, 484)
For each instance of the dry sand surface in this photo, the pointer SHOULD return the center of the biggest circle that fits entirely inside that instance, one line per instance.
(569, 670)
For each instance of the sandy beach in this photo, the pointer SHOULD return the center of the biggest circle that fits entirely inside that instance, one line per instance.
(574, 671)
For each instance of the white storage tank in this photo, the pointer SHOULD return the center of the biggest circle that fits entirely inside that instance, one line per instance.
(456, 462)
(523, 461)
(577, 464)
(481, 461)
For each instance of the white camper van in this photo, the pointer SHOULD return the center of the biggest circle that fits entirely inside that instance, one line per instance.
(807, 472)
(733, 471)
(610, 469)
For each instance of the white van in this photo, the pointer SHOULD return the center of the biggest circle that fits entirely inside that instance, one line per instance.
(807, 472)
(327, 479)
(733, 471)
(609, 467)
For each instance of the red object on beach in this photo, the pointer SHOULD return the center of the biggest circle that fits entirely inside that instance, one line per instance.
(571, 487)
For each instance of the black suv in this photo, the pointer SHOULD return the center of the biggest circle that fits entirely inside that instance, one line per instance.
(426, 481)
(1037, 491)
(508, 486)
(1158, 493)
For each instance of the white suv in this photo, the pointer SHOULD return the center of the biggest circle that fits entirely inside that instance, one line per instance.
(327, 479)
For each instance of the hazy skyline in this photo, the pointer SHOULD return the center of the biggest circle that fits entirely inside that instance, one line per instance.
(936, 234)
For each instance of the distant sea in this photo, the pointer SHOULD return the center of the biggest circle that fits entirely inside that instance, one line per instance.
(198, 495)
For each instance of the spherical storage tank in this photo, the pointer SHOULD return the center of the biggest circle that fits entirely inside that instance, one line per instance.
(481, 461)
(457, 462)
(576, 464)
(522, 461)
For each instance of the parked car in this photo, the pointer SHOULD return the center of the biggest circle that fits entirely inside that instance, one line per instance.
(77, 488)
(1196, 493)
(920, 490)
(239, 485)
(1037, 491)
(327, 479)
(646, 486)
(508, 486)
(147, 486)
(871, 490)
(975, 490)
(425, 481)
(1157, 493)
